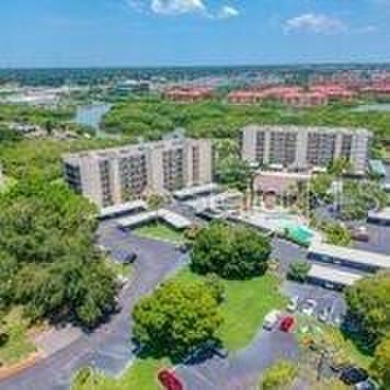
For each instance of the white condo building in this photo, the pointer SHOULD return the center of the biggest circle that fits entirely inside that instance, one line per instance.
(115, 176)
(300, 148)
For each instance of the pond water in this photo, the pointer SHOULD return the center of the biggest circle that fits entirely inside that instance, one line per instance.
(380, 107)
(91, 115)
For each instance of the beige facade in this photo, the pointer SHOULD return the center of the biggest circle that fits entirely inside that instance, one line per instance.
(302, 148)
(114, 176)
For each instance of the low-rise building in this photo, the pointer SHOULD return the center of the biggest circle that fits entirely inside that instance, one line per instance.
(114, 176)
(184, 94)
(302, 148)
(347, 257)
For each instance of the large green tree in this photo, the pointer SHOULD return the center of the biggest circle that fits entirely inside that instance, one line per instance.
(48, 260)
(231, 252)
(380, 367)
(177, 318)
(369, 304)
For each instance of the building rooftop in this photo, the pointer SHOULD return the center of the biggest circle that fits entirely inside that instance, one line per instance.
(333, 275)
(122, 208)
(173, 219)
(353, 255)
(383, 214)
(196, 190)
(324, 129)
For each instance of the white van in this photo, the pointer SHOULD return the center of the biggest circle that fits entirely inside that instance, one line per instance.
(271, 319)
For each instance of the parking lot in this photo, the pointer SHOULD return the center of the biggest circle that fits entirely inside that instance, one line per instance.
(325, 299)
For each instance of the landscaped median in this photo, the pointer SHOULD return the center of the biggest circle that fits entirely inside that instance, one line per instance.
(159, 231)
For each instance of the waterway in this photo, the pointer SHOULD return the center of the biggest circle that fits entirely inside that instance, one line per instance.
(91, 115)
(378, 107)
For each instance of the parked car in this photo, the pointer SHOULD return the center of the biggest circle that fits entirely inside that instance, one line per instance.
(271, 320)
(183, 248)
(360, 233)
(169, 380)
(287, 324)
(309, 307)
(293, 304)
(353, 375)
(324, 314)
(130, 258)
(368, 384)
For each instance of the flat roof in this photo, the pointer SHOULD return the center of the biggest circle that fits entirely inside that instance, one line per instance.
(174, 219)
(333, 275)
(190, 191)
(211, 201)
(353, 255)
(383, 215)
(122, 208)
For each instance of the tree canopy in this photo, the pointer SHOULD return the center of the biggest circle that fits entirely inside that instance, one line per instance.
(48, 261)
(369, 304)
(380, 367)
(177, 318)
(229, 251)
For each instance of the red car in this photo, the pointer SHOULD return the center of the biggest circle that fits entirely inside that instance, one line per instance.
(169, 380)
(287, 324)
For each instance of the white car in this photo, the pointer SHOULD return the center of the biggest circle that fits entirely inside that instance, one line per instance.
(309, 307)
(293, 305)
(271, 320)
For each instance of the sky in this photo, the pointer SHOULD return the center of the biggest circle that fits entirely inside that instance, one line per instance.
(81, 33)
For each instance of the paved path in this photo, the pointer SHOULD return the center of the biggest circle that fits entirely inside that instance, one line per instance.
(109, 347)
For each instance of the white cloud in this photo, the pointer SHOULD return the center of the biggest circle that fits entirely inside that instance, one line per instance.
(182, 7)
(177, 7)
(316, 23)
(227, 12)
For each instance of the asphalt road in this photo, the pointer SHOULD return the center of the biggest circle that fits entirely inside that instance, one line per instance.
(108, 347)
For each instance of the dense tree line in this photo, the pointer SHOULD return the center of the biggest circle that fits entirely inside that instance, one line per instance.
(229, 251)
(34, 115)
(151, 117)
(48, 261)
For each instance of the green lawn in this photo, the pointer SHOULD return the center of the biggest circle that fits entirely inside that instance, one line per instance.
(246, 304)
(159, 231)
(18, 345)
(141, 376)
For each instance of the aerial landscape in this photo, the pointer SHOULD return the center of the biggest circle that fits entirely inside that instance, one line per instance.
(194, 195)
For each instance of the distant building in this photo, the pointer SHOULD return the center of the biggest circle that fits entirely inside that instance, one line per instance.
(379, 90)
(115, 176)
(184, 94)
(295, 96)
(301, 148)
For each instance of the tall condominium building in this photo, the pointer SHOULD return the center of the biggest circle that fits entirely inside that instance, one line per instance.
(305, 147)
(114, 176)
